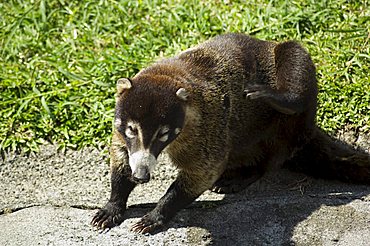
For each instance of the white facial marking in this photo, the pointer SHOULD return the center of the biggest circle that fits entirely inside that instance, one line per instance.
(177, 131)
(164, 138)
(154, 137)
(133, 130)
(117, 123)
(130, 133)
(142, 159)
(164, 130)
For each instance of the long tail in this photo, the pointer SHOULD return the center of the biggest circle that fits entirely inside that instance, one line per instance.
(326, 157)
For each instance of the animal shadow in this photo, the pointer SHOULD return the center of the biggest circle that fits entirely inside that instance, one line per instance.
(275, 210)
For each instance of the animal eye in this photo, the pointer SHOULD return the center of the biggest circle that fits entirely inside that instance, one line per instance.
(131, 132)
(163, 134)
(163, 137)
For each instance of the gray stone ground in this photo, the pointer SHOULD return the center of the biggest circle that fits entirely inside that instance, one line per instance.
(50, 198)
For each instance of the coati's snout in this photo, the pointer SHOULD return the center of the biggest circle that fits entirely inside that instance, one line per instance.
(142, 175)
(142, 163)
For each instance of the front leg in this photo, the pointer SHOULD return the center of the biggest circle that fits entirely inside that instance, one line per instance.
(112, 213)
(121, 186)
(183, 191)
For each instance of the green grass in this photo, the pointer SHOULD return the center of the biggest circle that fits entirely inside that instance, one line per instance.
(59, 59)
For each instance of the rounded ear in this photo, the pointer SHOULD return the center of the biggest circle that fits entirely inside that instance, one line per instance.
(182, 94)
(123, 84)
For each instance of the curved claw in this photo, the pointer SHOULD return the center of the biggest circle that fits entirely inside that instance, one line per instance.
(256, 91)
(108, 217)
(146, 225)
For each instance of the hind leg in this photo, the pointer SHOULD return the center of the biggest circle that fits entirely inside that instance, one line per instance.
(294, 89)
(236, 179)
(265, 155)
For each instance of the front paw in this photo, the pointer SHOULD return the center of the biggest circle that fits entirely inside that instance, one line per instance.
(109, 216)
(256, 91)
(149, 223)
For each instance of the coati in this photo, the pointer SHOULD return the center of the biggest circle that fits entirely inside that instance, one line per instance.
(226, 111)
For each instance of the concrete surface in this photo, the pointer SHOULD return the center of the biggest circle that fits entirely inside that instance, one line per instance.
(50, 198)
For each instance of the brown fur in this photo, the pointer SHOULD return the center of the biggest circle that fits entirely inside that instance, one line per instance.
(250, 107)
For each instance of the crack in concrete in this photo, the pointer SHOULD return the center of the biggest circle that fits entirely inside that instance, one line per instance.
(8, 210)
(84, 207)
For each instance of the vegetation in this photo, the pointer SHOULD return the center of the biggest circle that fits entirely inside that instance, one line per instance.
(59, 60)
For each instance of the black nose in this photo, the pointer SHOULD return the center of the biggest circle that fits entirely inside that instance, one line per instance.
(141, 176)
(142, 180)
